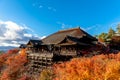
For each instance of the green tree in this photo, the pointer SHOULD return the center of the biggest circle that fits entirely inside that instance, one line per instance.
(103, 36)
(118, 28)
(111, 33)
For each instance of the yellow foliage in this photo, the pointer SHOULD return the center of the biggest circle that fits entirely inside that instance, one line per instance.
(46, 75)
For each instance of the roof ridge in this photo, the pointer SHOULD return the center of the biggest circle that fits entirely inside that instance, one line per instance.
(69, 29)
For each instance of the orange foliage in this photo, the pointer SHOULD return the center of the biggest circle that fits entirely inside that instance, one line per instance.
(100, 67)
(4, 57)
(14, 64)
(24, 78)
(23, 52)
(101, 40)
(13, 51)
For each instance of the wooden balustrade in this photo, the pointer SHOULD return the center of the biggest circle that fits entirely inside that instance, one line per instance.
(39, 62)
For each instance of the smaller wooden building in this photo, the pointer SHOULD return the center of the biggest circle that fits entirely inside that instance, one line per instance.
(37, 46)
(34, 45)
(22, 46)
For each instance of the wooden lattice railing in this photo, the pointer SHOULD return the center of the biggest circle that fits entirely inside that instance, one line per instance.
(38, 62)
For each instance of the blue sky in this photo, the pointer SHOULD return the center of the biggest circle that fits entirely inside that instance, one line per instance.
(45, 17)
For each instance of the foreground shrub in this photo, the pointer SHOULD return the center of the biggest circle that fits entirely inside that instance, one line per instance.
(100, 67)
(46, 75)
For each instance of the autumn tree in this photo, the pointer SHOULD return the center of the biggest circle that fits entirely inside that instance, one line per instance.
(14, 65)
(103, 37)
(118, 28)
(111, 33)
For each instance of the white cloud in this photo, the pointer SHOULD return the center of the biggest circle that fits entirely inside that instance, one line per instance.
(9, 44)
(63, 25)
(52, 9)
(28, 35)
(89, 28)
(43, 37)
(40, 6)
(37, 4)
(49, 8)
(12, 34)
(114, 25)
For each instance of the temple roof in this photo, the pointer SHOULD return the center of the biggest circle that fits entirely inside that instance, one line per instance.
(60, 36)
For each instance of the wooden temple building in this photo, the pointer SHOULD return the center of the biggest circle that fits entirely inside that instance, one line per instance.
(59, 46)
(69, 42)
(64, 42)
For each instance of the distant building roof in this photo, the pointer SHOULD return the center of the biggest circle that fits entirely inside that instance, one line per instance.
(34, 43)
(73, 34)
(22, 46)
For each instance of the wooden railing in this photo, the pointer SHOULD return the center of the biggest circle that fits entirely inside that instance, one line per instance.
(38, 62)
(68, 53)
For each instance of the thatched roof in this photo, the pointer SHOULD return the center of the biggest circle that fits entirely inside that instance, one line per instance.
(73, 34)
